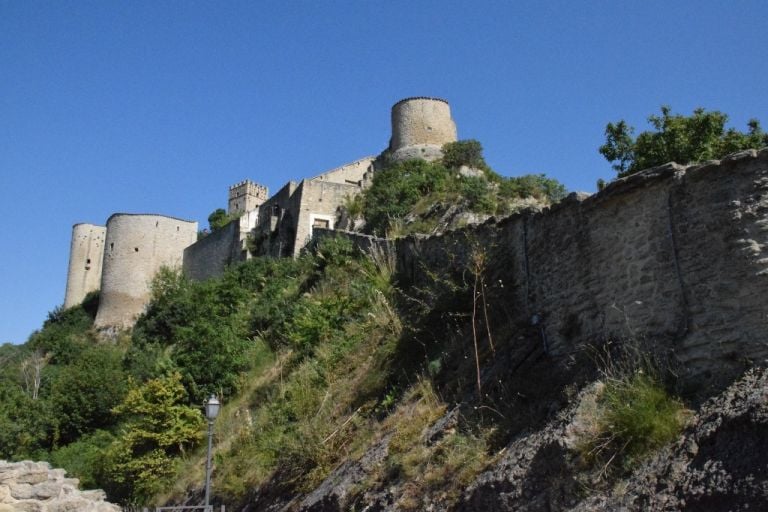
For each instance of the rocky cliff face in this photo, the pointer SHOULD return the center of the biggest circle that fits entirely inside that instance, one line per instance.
(718, 464)
(35, 487)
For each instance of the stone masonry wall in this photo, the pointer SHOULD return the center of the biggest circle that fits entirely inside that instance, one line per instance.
(209, 256)
(245, 197)
(137, 246)
(85, 257)
(675, 256)
(318, 200)
(421, 121)
(351, 173)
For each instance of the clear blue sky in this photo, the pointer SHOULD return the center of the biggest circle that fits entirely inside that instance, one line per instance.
(156, 107)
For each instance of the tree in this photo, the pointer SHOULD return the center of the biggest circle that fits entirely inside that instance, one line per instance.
(677, 138)
(157, 426)
(82, 394)
(218, 219)
(464, 152)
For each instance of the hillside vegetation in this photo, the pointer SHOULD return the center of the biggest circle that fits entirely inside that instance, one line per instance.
(318, 361)
(347, 387)
(415, 196)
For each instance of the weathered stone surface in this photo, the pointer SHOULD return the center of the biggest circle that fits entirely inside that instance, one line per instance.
(34, 487)
(20, 491)
(674, 254)
(30, 506)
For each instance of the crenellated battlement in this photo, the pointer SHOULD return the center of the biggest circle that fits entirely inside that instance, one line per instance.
(246, 196)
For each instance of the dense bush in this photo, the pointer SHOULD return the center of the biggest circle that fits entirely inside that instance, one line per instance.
(464, 152)
(411, 188)
(397, 189)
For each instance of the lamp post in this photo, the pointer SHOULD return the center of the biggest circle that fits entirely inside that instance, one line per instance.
(212, 406)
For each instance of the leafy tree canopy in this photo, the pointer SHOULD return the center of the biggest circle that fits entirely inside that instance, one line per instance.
(218, 219)
(157, 424)
(677, 138)
(464, 152)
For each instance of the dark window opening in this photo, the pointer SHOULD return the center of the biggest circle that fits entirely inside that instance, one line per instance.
(111, 246)
(321, 223)
(136, 249)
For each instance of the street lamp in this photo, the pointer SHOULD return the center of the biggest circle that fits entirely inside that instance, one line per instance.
(212, 406)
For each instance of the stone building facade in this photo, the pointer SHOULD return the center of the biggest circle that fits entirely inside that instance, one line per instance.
(286, 221)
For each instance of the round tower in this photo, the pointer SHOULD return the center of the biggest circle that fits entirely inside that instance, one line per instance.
(86, 252)
(136, 247)
(420, 127)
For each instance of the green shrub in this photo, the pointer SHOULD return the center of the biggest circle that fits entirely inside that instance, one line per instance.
(397, 189)
(635, 415)
(464, 152)
(84, 459)
(478, 194)
(640, 414)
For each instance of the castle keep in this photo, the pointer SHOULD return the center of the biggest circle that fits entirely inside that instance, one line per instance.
(122, 258)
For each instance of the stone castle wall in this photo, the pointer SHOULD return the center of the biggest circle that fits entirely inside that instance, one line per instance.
(137, 246)
(317, 206)
(676, 255)
(420, 127)
(85, 257)
(210, 256)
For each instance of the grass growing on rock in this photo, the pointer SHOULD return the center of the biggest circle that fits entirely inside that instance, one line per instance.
(627, 416)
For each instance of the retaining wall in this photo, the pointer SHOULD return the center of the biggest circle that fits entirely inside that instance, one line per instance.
(676, 256)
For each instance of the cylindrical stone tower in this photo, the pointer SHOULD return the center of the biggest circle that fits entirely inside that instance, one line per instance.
(420, 127)
(85, 255)
(137, 245)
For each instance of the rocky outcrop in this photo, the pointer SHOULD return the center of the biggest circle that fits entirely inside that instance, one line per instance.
(718, 464)
(35, 487)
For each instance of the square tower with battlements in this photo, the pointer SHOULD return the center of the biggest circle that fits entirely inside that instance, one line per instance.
(246, 196)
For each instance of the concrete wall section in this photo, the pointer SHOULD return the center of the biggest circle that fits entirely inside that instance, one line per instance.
(137, 246)
(85, 258)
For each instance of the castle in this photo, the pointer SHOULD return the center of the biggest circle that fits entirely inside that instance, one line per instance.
(121, 258)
